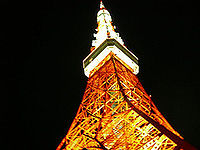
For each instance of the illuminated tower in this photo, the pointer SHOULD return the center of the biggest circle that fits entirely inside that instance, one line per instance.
(116, 113)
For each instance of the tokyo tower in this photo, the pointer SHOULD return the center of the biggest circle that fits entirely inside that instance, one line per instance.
(116, 113)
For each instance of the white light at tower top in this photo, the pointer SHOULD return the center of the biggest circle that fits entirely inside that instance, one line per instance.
(106, 41)
(105, 29)
(101, 5)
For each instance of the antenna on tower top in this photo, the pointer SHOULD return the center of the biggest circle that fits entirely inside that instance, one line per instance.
(102, 5)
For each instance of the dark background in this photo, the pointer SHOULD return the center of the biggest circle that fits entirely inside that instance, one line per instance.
(44, 76)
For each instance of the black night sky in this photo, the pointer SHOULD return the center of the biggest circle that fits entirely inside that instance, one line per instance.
(46, 81)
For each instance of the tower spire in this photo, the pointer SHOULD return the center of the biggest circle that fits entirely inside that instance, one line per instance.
(105, 29)
(102, 5)
(107, 37)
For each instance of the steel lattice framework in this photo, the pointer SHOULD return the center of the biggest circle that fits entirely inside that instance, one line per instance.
(105, 120)
(116, 113)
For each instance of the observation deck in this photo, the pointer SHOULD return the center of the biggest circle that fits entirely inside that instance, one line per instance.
(110, 45)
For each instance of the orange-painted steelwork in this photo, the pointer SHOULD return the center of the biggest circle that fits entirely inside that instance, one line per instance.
(107, 119)
(116, 113)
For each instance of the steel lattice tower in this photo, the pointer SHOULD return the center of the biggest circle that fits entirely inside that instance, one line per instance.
(116, 113)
